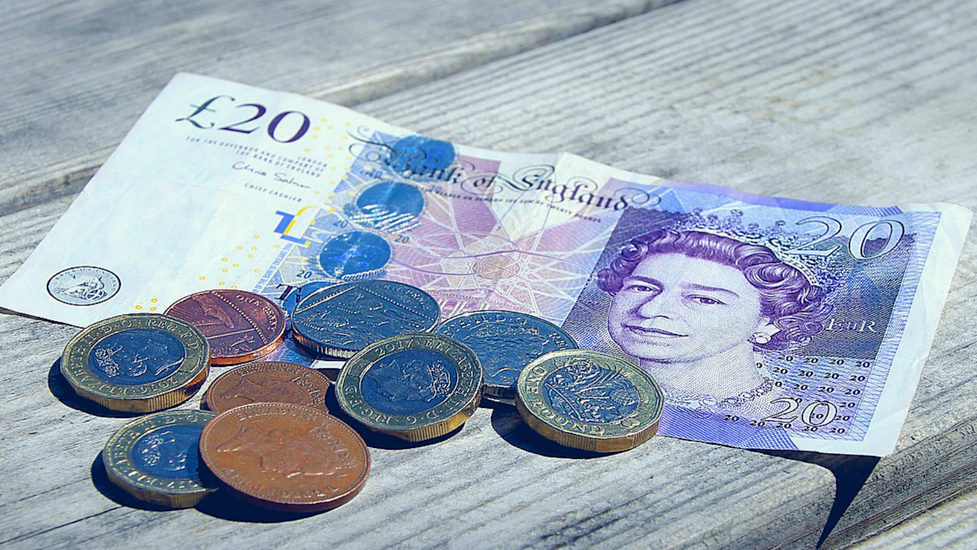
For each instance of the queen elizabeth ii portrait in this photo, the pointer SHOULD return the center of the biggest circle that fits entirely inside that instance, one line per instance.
(697, 309)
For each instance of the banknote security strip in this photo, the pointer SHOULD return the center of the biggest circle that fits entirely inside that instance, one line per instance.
(769, 323)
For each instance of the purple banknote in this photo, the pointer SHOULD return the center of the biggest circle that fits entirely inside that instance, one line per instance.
(769, 323)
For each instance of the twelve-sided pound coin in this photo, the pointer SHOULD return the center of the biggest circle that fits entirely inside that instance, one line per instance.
(589, 400)
(137, 362)
(156, 458)
(413, 386)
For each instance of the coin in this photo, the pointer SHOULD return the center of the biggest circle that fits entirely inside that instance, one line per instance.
(505, 342)
(156, 458)
(268, 381)
(137, 362)
(240, 326)
(293, 298)
(414, 386)
(589, 400)
(286, 457)
(341, 320)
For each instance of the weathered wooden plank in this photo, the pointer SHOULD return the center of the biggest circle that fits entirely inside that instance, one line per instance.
(948, 526)
(867, 103)
(76, 75)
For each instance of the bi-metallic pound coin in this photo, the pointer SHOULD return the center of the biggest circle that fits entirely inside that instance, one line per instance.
(505, 342)
(589, 400)
(413, 386)
(342, 319)
(286, 457)
(268, 381)
(138, 362)
(240, 326)
(156, 458)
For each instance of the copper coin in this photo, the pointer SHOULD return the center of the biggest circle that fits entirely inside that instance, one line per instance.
(268, 381)
(286, 457)
(239, 325)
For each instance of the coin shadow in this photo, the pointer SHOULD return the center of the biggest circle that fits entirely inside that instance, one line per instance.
(378, 440)
(100, 479)
(509, 425)
(64, 393)
(223, 505)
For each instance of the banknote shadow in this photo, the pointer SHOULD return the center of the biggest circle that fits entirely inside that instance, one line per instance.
(850, 473)
(64, 393)
(509, 425)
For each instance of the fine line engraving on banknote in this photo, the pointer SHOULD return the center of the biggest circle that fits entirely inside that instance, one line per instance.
(758, 332)
(832, 308)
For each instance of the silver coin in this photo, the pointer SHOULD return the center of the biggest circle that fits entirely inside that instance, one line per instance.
(342, 319)
(505, 342)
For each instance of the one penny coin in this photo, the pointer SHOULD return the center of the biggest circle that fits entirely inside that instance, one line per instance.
(268, 381)
(240, 326)
(286, 457)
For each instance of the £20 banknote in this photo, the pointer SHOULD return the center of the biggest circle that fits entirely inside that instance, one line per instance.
(770, 323)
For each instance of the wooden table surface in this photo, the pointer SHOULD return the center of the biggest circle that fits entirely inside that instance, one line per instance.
(867, 102)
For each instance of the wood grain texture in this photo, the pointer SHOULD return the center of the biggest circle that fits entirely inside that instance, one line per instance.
(869, 103)
(76, 75)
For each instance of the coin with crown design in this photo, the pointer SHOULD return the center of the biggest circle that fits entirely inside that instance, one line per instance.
(415, 386)
(155, 458)
(342, 319)
(589, 400)
(240, 326)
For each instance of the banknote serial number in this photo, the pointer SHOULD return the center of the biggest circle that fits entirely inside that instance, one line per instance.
(223, 113)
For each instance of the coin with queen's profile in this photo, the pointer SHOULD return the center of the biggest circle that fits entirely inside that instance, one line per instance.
(155, 458)
(137, 362)
(285, 457)
(413, 386)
